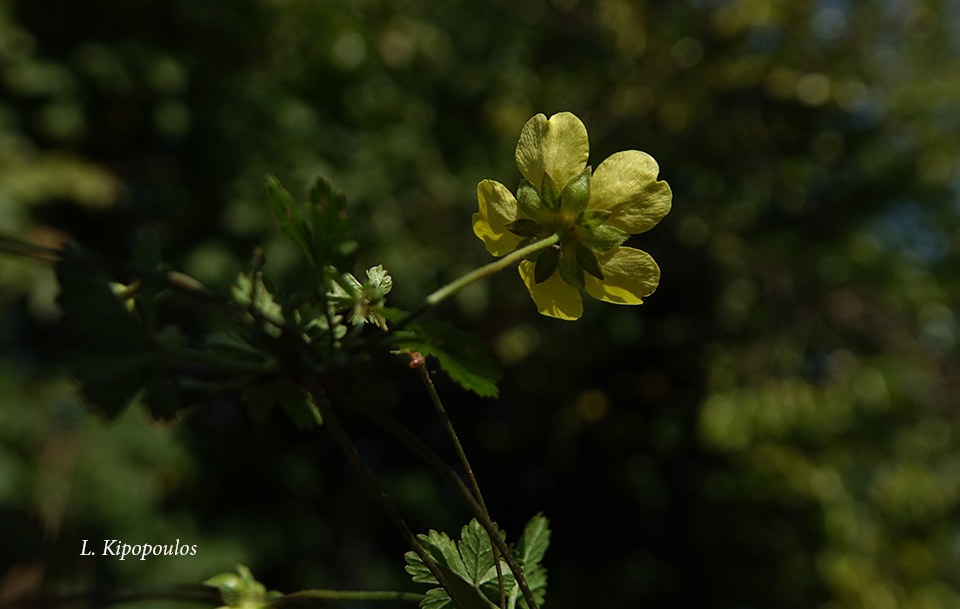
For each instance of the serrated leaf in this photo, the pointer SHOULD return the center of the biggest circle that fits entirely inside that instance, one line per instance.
(320, 228)
(462, 356)
(534, 542)
(291, 218)
(458, 568)
(444, 551)
(418, 571)
(466, 595)
(329, 224)
(437, 598)
(477, 553)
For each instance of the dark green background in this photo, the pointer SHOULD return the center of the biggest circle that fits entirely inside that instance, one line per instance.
(776, 427)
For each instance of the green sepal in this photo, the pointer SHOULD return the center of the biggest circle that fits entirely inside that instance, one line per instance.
(588, 261)
(524, 227)
(592, 218)
(546, 264)
(576, 193)
(528, 199)
(604, 238)
(550, 192)
(571, 271)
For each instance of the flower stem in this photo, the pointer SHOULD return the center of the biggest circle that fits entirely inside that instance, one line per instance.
(486, 270)
(452, 433)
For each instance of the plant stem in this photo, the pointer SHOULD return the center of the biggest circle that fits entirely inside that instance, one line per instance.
(488, 269)
(452, 433)
(332, 422)
(415, 444)
(350, 595)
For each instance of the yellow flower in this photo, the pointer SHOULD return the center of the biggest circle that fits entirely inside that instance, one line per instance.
(593, 213)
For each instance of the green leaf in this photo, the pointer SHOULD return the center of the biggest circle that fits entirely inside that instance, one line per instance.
(530, 551)
(470, 570)
(462, 356)
(463, 581)
(113, 358)
(534, 542)
(321, 229)
(291, 218)
(437, 598)
(476, 551)
(263, 398)
(329, 224)
(253, 294)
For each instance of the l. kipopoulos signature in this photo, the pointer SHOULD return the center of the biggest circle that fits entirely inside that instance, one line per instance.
(116, 547)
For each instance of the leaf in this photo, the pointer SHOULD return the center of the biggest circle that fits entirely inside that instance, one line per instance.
(462, 356)
(445, 554)
(437, 598)
(263, 398)
(113, 358)
(469, 568)
(476, 551)
(330, 227)
(534, 542)
(291, 218)
(321, 228)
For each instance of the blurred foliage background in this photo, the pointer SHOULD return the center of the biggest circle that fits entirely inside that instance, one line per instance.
(776, 426)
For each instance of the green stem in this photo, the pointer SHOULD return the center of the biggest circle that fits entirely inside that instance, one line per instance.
(350, 595)
(487, 270)
(452, 433)
(475, 275)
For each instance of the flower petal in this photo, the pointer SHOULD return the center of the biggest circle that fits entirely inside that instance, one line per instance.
(498, 207)
(626, 185)
(558, 146)
(628, 275)
(553, 297)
